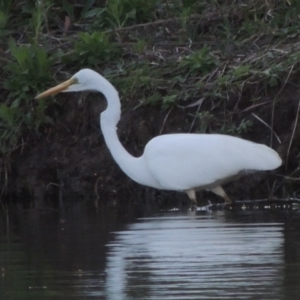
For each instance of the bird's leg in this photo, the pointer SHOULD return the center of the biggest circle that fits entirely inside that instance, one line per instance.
(192, 195)
(220, 192)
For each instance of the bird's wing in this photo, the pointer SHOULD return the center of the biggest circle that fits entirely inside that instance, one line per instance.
(184, 161)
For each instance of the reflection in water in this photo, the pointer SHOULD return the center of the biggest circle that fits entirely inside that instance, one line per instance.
(195, 258)
(81, 254)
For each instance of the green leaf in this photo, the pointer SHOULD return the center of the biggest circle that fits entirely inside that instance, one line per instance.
(273, 81)
(6, 114)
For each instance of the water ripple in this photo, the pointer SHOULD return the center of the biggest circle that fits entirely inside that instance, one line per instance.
(198, 257)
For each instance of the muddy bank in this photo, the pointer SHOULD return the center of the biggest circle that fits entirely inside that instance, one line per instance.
(70, 160)
(182, 66)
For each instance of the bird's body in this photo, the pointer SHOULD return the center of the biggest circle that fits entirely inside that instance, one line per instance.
(180, 162)
(224, 155)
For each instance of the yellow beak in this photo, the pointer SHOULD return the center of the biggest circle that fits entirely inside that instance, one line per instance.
(57, 89)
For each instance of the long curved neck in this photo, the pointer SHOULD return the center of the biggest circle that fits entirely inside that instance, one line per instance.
(134, 167)
(108, 122)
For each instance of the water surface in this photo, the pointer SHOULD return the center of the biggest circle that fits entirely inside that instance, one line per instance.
(109, 254)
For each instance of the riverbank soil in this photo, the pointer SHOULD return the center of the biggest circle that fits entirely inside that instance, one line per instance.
(205, 72)
(71, 159)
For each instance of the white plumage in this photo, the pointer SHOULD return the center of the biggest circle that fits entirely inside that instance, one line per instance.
(186, 161)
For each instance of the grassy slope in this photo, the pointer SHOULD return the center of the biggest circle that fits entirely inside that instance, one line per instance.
(205, 66)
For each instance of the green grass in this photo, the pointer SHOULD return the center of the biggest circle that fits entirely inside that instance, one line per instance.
(159, 53)
(93, 49)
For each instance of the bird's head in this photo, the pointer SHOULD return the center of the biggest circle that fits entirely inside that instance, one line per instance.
(83, 80)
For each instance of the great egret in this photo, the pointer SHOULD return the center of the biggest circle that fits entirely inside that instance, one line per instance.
(179, 162)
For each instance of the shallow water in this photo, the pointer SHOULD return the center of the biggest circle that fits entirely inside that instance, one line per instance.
(83, 254)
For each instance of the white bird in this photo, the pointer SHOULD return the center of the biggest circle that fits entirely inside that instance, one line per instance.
(179, 162)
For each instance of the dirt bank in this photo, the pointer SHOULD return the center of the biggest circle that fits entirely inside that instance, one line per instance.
(225, 67)
(71, 160)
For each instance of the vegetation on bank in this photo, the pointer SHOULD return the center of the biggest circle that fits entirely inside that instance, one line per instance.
(224, 58)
